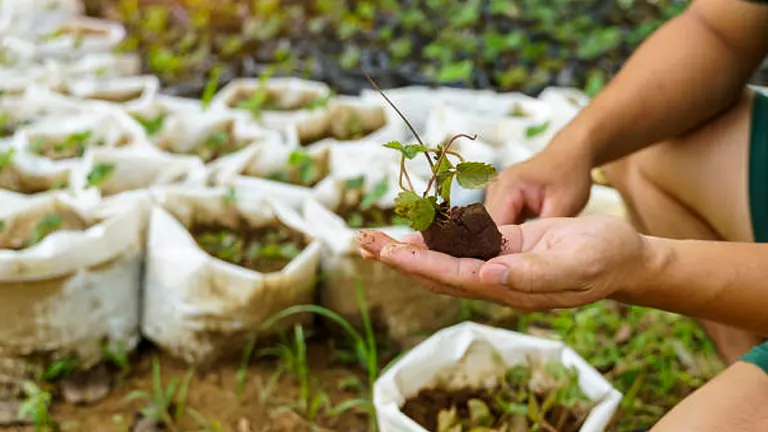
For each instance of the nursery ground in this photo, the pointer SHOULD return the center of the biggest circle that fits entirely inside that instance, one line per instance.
(654, 358)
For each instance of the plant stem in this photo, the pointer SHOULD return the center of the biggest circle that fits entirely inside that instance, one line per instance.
(440, 161)
(407, 123)
(403, 172)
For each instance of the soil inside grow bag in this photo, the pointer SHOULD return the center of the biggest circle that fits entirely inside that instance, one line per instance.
(303, 169)
(511, 406)
(347, 124)
(270, 100)
(66, 147)
(265, 249)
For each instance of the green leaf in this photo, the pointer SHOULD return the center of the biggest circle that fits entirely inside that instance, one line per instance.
(412, 150)
(534, 131)
(99, 174)
(394, 145)
(374, 195)
(355, 183)
(6, 157)
(419, 211)
(474, 175)
(153, 125)
(211, 86)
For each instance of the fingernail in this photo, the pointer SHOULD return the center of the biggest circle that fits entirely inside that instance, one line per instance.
(495, 274)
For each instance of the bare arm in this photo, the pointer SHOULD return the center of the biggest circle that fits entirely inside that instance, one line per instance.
(719, 281)
(688, 71)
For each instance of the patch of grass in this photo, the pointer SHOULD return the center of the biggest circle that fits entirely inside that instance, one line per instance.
(166, 404)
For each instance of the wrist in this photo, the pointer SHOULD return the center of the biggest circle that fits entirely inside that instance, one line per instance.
(649, 275)
(576, 144)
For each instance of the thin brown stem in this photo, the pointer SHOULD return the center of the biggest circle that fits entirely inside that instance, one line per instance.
(407, 123)
(403, 172)
(440, 161)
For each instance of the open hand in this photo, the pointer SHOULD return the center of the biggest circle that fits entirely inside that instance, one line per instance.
(545, 264)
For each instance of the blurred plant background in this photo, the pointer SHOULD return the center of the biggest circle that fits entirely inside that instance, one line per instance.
(508, 45)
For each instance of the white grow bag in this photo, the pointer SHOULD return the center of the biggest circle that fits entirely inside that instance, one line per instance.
(472, 350)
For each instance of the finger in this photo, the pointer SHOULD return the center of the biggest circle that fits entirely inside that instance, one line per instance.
(529, 272)
(435, 266)
(413, 239)
(523, 237)
(442, 289)
(556, 206)
(374, 241)
(503, 203)
(366, 255)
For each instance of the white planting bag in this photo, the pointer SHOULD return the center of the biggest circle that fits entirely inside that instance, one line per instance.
(252, 175)
(60, 140)
(126, 92)
(193, 133)
(291, 95)
(75, 37)
(132, 169)
(200, 308)
(565, 103)
(16, 54)
(470, 352)
(357, 122)
(403, 309)
(74, 291)
(496, 119)
(21, 176)
(414, 102)
(99, 65)
(35, 103)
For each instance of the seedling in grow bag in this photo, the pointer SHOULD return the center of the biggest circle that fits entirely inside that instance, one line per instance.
(262, 98)
(68, 147)
(15, 181)
(8, 126)
(46, 226)
(551, 402)
(359, 209)
(265, 249)
(346, 125)
(99, 174)
(151, 125)
(302, 169)
(463, 232)
(219, 143)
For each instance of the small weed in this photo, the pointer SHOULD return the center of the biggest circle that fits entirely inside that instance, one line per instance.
(48, 225)
(365, 347)
(160, 402)
(36, 407)
(204, 425)
(151, 125)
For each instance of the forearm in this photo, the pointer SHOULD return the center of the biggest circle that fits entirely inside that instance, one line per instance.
(684, 74)
(719, 281)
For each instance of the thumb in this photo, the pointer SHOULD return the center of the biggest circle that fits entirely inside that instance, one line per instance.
(527, 272)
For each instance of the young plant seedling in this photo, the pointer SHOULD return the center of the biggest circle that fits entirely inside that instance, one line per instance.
(69, 147)
(218, 144)
(463, 232)
(358, 206)
(99, 174)
(48, 225)
(162, 403)
(151, 125)
(302, 170)
(36, 407)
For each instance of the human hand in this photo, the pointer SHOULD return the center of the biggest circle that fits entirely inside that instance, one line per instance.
(545, 264)
(554, 183)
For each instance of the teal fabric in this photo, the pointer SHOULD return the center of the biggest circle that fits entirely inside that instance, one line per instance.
(758, 356)
(758, 168)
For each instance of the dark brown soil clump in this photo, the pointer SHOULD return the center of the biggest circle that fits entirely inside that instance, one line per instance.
(266, 249)
(465, 232)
